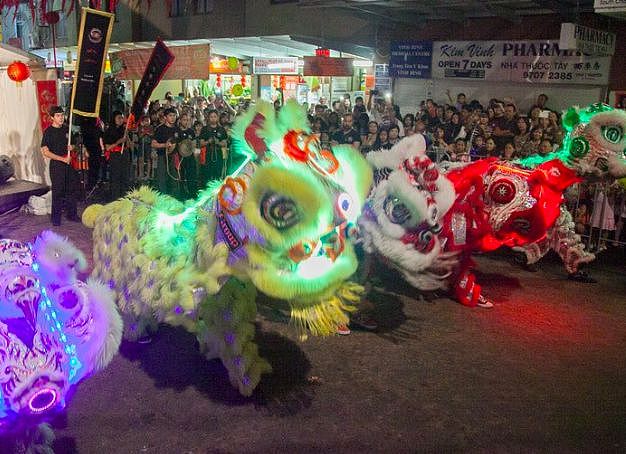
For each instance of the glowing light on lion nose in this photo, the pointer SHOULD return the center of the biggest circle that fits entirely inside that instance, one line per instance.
(43, 400)
(314, 267)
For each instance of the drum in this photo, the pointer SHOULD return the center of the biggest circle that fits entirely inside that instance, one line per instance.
(186, 147)
(79, 162)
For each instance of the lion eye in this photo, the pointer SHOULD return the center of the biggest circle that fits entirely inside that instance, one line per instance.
(279, 211)
(396, 211)
(612, 134)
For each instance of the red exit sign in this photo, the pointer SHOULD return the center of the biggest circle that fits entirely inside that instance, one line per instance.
(322, 52)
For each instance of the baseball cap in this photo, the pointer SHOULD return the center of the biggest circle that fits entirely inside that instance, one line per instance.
(55, 110)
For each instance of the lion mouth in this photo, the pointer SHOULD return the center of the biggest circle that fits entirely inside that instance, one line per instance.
(313, 258)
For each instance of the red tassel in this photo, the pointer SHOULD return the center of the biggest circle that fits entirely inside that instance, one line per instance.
(33, 9)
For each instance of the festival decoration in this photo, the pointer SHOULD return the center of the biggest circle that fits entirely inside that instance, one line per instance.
(232, 63)
(281, 223)
(495, 203)
(237, 90)
(51, 17)
(54, 329)
(18, 72)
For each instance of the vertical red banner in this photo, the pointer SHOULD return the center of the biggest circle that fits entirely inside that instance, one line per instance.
(46, 98)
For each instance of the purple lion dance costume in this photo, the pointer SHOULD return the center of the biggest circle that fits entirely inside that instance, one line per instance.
(55, 330)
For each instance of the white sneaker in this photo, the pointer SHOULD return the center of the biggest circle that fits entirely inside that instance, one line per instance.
(484, 303)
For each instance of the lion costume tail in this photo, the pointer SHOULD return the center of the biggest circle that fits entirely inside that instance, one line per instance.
(91, 213)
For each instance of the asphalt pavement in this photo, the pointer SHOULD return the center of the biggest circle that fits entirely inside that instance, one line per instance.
(544, 370)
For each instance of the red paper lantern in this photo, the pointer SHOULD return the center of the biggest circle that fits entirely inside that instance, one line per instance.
(243, 81)
(283, 82)
(18, 71)
(218, 80)
(51, 17)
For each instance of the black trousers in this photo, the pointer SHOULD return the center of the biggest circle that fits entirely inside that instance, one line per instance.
(189, 178)
(120, 173)
(64, 181)
(93, 174)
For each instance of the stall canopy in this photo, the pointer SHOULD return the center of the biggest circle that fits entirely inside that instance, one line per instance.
(244, 47)
(20, 131)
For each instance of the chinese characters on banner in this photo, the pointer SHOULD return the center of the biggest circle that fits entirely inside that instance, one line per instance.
(95, 32)
(160, 60)
(46, 98)
(502, 61)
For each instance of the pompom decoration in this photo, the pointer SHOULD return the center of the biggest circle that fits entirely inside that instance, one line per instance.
(233, 63)
(237, 90)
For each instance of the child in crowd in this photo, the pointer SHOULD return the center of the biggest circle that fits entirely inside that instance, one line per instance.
(509, 151)
(478, 150)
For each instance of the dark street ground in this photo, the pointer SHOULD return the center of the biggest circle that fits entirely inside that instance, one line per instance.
(545, 370)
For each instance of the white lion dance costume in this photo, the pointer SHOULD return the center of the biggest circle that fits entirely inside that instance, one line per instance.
(54, 329)
(281, 223)
(426, 224)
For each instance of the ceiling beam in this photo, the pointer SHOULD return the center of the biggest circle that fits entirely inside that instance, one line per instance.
(567, 12)
(505, 13)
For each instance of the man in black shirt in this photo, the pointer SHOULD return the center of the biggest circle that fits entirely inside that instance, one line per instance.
(214, 142)
(164, 142)
(64, 179)
(92, 140)
(187, 163)
(119, 158)
(347, 135)
(504, 124)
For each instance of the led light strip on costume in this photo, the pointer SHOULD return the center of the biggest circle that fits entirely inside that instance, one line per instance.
(54, 325)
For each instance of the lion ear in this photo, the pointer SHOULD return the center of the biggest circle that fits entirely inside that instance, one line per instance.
(571, 118)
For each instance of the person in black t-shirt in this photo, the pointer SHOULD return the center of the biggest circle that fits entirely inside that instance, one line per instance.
(187, 165)
(214, 141)
(64, 179)
(119, 158)
(92, 140)
(164, 142)
(347, 134)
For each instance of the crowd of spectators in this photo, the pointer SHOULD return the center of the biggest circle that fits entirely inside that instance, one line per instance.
(455, 131)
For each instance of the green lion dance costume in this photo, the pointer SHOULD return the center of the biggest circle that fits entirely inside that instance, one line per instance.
(280, 223)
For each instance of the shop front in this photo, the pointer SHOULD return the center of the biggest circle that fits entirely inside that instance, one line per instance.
(516, 70)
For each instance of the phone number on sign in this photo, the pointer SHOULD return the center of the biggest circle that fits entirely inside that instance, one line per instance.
(551, 75)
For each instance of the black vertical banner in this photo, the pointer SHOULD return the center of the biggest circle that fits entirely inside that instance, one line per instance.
(93, 44)
(160, 60)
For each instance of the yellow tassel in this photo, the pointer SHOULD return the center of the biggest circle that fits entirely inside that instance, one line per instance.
(323, 318)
